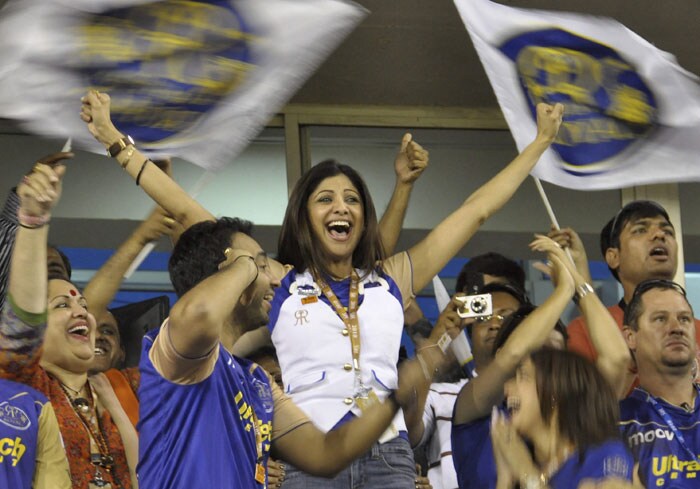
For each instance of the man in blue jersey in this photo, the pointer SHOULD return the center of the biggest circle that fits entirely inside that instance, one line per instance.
(209, 419)
(660, 421)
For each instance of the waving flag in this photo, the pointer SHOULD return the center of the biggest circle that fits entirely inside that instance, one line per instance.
(632, 115)
(461, 346)
(194, 79)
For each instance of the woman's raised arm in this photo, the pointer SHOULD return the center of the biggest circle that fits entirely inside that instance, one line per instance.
(442, 243)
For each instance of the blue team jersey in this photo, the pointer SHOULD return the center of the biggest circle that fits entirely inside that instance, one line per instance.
(662, 460)
(20, 408)
(472, 453)
(202, 434)
(609, 459)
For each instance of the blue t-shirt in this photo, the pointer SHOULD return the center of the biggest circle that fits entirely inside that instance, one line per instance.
(662, 460)
(20, 408)
(472, 453)
(202, 435)
(610, 459)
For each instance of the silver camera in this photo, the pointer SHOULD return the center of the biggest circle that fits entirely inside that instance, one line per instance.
(475, 306)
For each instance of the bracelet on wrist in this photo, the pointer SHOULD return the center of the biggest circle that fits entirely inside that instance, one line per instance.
(138, 175)
(32, 222)
(533, 481)
(582, 291)
(129, 154)
(424, 367)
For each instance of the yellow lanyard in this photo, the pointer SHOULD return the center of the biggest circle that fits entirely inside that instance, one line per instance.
(351, 322)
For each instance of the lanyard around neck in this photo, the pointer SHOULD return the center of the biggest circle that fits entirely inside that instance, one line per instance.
(348, 316)
(661, 411)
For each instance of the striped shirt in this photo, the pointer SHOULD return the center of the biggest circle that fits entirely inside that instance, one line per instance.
(437, 422)
(8, 229)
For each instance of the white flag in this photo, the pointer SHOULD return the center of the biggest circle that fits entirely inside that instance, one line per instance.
(442, 297)
(194, 79)
(632, 115)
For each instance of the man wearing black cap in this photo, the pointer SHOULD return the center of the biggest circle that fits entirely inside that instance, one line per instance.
(638, 244)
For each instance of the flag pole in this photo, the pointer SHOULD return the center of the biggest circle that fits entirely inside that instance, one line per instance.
(550, 211)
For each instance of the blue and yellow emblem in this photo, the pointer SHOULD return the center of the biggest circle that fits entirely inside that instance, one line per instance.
(13, 416)
(609, 107)
(166, 63)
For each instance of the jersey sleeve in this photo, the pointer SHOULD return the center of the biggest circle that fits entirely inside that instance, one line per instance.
(287, 415)
(176, 368)
(400, 269)
(51, 471)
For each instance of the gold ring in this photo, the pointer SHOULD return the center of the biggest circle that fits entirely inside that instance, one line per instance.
(169, 221)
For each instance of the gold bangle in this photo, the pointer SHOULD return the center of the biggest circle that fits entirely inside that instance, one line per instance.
(129, 153)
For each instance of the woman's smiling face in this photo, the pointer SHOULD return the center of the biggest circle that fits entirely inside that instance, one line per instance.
(336, 215)
(70, 331)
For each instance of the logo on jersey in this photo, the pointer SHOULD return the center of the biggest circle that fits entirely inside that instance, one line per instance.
(264, 394)
(14, 417)
(12, 448)
(248, 418)
(649, 437)
(302, 317)
(670, 468)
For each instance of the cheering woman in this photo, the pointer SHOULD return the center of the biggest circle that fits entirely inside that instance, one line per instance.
(50, 345)
(337, 317)
(567, 411)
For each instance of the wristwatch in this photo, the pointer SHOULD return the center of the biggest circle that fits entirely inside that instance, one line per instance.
(119, 146)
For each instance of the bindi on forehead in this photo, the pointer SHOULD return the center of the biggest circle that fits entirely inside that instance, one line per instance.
(73, 292)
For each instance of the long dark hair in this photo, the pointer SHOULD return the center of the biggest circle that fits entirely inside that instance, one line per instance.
(585, 402)
(297, 245)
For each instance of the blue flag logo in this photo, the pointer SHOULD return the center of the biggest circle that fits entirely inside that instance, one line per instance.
(609, 106)
(165, 67)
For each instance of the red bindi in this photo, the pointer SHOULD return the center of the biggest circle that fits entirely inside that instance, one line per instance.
(73, 292)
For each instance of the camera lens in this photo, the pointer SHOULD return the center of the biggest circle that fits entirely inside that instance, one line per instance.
(478, 305)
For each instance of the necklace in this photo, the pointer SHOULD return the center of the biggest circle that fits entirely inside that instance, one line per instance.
(78, 402)
(83, 407)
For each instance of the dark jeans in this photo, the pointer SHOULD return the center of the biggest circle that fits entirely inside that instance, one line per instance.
(386, 466)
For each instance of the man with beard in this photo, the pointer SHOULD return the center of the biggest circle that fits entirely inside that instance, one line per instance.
(660, 419)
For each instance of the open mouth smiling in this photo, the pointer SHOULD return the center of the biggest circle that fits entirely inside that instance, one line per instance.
(79, 331)
(339, 230)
